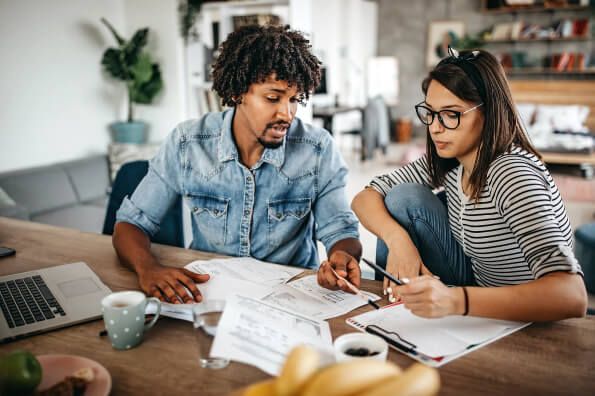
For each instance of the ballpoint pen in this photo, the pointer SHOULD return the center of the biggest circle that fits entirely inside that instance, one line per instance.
(355, 289)
(378, 268)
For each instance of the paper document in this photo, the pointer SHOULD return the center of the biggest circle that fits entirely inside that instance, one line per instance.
(216, 288)
(254, 332)
(305, 296)
(440, 339)
(246, 268)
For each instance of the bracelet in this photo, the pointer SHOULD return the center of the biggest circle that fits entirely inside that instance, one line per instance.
(466, 301)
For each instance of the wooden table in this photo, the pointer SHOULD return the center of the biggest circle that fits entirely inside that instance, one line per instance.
(543, 359)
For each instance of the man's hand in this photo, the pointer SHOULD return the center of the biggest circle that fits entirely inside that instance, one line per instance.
(345, 265)
(167, 284)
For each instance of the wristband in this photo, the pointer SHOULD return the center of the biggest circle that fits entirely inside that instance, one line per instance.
(466, 301)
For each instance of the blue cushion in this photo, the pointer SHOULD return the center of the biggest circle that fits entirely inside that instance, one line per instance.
(585, 253)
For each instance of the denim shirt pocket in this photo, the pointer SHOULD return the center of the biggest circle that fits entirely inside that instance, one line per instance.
(210, 214)
(285, 217)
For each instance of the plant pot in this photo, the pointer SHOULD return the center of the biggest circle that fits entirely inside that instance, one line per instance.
(129, 132)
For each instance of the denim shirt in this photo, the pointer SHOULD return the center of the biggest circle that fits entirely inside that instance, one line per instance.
(274, 211)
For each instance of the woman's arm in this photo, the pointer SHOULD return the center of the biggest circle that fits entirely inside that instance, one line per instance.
(555, 296)
(404, 260)
(369, 207)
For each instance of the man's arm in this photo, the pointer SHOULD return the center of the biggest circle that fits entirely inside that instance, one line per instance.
(138, 218)
(133, 247)
(337, 226)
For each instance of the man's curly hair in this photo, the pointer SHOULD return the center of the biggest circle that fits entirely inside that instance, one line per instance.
(252, 53)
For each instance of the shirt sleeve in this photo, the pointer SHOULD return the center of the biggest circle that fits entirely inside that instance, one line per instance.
(333, 216)
(158, 190)
(414, 172)
(524, 200)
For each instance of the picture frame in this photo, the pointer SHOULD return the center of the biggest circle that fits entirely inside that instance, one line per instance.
(441, 33)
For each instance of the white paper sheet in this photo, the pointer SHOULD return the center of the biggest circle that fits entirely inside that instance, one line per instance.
(246, 268)
(449, 336)
(216, 288)
(305, 296)
(254, 332)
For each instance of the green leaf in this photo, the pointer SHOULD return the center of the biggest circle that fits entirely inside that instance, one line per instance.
(142, 69)
(144, 93)
(118, 38)
(133, 48)
(112, 63)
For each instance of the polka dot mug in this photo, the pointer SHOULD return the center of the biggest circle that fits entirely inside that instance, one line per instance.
(124, 317)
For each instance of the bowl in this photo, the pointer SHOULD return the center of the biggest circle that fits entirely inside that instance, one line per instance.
(360, 346)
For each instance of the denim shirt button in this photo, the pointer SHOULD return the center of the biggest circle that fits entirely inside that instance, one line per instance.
(278, 215)
(195, 209)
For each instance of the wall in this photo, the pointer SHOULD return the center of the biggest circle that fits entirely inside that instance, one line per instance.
(344, 37)
(56, 103)
(403, 29)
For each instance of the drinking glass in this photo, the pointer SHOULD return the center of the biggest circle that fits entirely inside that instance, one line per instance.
(206, 316)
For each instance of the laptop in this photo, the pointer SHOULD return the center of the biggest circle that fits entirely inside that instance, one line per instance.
(37, 301)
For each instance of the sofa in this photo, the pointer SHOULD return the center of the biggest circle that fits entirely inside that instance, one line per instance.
(71, 194)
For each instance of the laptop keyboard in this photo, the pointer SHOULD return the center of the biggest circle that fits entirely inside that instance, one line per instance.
(28, 300)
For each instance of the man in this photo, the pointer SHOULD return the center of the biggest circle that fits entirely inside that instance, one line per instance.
(258, 181)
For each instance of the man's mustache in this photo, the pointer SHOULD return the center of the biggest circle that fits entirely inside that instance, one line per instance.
(281, 124)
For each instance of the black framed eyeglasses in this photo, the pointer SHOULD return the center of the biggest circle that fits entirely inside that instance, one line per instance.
(450, 119)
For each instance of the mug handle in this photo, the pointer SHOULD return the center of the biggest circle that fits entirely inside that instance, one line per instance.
(154, 320)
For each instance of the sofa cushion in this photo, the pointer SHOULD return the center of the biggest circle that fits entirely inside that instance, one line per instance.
(89, 176)
(39, 189)
(82, 217)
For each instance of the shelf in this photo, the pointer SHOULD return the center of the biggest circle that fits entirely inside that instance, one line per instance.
(548, 71)
(558, 39)
(528, 9)
(252, 3)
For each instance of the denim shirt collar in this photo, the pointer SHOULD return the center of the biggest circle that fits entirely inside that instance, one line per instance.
(228, 150)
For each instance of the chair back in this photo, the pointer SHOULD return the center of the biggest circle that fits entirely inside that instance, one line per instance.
(171, 230)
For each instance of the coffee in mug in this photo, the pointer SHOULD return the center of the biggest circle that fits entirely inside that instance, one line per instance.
(124, 317)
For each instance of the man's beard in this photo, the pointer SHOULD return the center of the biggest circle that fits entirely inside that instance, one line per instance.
(270, 145)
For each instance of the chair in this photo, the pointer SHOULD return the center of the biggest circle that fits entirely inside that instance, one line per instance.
(171, 230)
(376, 127)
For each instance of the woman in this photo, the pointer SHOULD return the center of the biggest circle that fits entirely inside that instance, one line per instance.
(503, 237)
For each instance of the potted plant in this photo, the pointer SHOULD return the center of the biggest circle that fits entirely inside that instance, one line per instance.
(129, 63)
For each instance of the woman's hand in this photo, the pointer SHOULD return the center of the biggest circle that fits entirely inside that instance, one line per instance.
(403, 261)
(427, 297)
(170, 284)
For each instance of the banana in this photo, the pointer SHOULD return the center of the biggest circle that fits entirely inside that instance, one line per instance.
(301, 363)
(262, 388)
(349, 378)
(417, 380)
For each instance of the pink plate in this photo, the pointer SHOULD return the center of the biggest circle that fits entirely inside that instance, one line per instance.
(56, 367)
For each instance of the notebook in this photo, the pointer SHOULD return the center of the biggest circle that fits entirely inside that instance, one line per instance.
(37, 301)
(433, 342)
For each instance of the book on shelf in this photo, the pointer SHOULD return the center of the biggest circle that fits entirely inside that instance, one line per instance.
(255, 19)
(571, 61)
(580, 27)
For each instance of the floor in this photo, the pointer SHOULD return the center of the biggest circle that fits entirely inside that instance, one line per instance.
(580, 210)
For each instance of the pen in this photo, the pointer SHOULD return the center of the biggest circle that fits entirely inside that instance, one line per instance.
(383, 272)
(393, 342)
(355, 289)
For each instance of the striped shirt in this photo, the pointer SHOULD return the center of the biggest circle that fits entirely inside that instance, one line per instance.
(518, 229)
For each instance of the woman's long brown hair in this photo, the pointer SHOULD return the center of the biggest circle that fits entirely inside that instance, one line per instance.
(502, 128)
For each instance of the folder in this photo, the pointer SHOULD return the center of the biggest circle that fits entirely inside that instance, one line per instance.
(433, 342)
